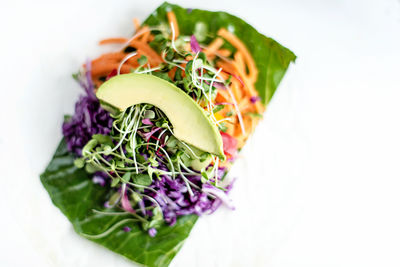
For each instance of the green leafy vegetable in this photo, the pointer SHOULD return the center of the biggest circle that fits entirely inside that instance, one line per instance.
(72, 190)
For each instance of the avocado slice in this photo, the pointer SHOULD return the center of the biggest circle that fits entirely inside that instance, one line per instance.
(190, 122)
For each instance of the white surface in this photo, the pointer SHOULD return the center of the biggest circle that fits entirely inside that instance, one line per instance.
(318, 183)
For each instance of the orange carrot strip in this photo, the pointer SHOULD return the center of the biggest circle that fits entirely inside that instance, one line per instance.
(243, 104)
(173, 22)
(239, 62)
(212, 48)
(226, 66)
(237, 92)
(136, 23)
(224, 52)
(171, 73)
(222, 96)
(251, 91)
(146, 49)
(104, 68)
(145, 37)
(115, 56)
(97, 83)
(117, 40)
(231, 126)
(188, 47)
(146, 34)
(253, 72)
(249, 86)
(229, 68)
(214, 45)
(189, 57)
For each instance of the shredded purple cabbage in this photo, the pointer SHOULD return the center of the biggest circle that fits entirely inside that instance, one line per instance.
(175, 200)
(89, 117)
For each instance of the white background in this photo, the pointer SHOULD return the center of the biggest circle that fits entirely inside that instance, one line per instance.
(318, 182)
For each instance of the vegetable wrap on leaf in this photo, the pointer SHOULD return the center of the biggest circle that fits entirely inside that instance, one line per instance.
(161, 122)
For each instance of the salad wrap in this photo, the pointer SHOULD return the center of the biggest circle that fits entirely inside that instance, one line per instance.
(160, 123)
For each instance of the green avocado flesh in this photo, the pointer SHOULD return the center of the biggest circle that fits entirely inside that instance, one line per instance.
(190, 122)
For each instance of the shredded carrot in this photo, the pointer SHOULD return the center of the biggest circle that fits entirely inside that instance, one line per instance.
(97, 83)
(239, 62)
(151, 38)
(253, 72)
(104, 68)
(213, 46)
(136, 23)
(146, 34)
(171, 73)
(224, 52)
(237, 92)
(242, 138)
(253, 92)
(244, 105)
(153, 57)
(188, 47)
(230, 127)
(223, 96)
(145, 37)
(118, 40)
(189, 57)
(173, 22)
(226, 66)
(116, 56)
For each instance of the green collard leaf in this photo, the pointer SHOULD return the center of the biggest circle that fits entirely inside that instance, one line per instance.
(271, 58)
(73, 192)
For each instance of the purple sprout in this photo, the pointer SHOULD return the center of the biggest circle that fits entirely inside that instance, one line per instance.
(152, 232)
(194, 44)
(254, 99)
(100, 178)
(126, 229)
(147, 121)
